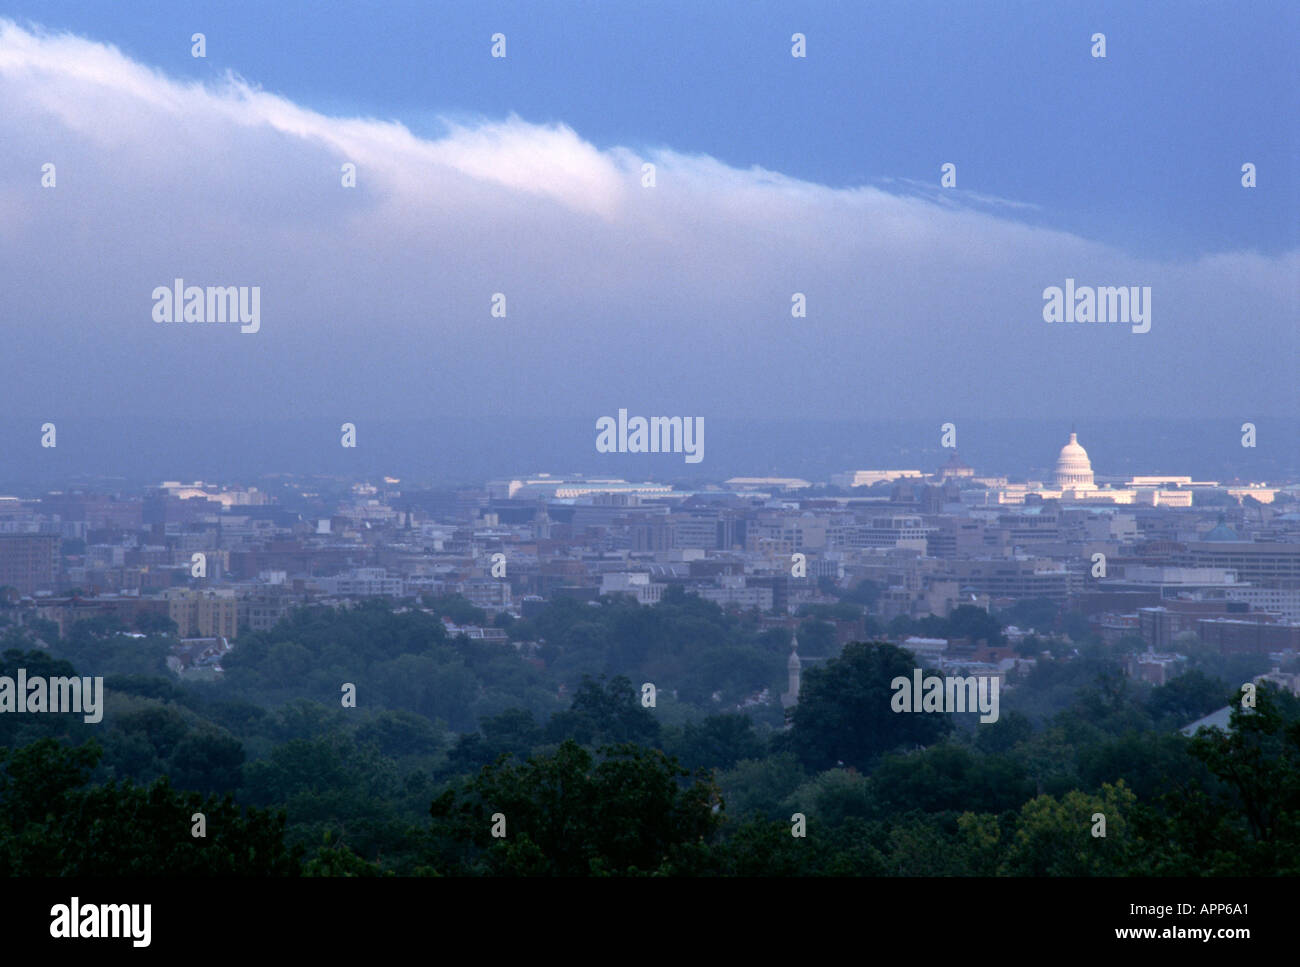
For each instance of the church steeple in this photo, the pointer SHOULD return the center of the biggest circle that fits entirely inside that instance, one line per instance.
(794, 666)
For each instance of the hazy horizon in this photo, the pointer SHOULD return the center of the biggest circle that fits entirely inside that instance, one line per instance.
(468, 453)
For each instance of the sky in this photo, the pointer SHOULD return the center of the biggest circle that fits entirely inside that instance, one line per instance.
(774, 175)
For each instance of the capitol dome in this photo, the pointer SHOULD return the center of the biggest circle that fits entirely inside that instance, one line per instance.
(1073, 468)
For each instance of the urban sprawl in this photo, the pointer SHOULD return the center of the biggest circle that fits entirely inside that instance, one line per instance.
(1168, 560)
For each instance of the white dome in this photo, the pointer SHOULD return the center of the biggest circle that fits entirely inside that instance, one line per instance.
(1073, 468)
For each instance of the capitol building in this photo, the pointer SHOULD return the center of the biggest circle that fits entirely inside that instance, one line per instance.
(1073, 468)
(1073, 481)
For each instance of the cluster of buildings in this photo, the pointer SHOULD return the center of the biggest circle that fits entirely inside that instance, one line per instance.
(1160, 558)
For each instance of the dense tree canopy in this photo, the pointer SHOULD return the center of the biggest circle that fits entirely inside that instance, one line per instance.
(591, 781)
(52, 823)
(844, 714)
(572, 813)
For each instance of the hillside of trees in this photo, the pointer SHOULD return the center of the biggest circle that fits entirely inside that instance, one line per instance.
(453, 739)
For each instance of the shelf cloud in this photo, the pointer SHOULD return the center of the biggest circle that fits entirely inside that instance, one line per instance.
(675, 297)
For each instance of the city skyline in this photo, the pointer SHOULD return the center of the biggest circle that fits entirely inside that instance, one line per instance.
(449, 454)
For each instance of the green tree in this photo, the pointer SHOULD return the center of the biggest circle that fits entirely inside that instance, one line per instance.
(1258, 761)
(458, 608)
(1037, 614)
(151, 623)
(1053, 837)
(334, 859)
(332, 785)
(949, 777)
(53, 824)
(605, 716)
(513, 732)
(760, 787)
(161, 726)
(399, 733)
(207, 762)
(968, 621)
(832, 797)
(1077, 626)
(1187, 698)
(1006, 733)
(572, 813)
(817, 638)
(844, 713)
(716, 742)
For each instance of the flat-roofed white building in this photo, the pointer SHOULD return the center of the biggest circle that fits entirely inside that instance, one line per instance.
(866, 478)
(635, 583)
(544, 485)
(927, 649)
